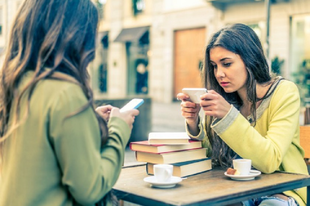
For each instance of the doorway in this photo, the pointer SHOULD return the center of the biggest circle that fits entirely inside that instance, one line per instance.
(189, 46)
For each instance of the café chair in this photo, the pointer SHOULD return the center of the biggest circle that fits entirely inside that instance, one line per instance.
(305, 143)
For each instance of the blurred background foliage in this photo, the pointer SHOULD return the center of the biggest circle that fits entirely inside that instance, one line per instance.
(302, 78)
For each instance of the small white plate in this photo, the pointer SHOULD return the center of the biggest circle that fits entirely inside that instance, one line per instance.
(154, 182)
(251, 176)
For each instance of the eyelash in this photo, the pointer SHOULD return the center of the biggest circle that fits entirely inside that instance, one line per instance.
(224, 64)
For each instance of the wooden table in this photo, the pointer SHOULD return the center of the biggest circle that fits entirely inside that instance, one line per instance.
(208, 188)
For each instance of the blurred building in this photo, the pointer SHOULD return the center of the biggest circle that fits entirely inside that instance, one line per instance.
(156, 47)
(8, 9)
(168, 38)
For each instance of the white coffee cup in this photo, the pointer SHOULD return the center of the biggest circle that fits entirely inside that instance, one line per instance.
(243, 166)
(163, 172)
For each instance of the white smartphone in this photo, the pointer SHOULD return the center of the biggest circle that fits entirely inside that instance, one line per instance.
(132, 104)
(194, 93)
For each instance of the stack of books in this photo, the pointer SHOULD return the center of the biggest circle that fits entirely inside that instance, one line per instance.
(187, 156)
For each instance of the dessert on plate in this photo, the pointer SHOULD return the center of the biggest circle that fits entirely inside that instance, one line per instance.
(231, 171)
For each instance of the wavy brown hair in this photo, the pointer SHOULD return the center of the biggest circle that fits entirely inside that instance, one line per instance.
(54, 34)
(242, 40)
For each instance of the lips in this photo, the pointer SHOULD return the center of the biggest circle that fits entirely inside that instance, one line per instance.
(224, 84)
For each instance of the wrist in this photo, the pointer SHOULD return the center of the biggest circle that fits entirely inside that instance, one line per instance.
(192, 126)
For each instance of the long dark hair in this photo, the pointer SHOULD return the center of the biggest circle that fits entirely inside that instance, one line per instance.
(242, 40)
(54, 34)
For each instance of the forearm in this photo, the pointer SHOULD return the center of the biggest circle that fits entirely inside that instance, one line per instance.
(195, 131)
(112, 153)
(192, 127)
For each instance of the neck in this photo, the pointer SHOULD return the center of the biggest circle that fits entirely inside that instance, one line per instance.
(244, 96)
(246, 104)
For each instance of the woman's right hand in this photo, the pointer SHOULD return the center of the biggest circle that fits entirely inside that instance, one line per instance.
(189, 110)
(128, 116)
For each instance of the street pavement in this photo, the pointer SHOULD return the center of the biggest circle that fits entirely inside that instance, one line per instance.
(166, 117)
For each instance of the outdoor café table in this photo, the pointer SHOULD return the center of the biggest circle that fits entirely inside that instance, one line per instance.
(208, 188)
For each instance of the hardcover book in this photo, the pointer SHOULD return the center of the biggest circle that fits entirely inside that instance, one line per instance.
(171, 157)
(168, 138)
(183, 169)
(144, 146)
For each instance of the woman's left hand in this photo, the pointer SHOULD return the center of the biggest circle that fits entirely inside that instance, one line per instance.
(214, 104)
(104, 112)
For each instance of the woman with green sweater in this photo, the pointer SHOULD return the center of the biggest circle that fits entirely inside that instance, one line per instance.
(55, 148)
(247, 113)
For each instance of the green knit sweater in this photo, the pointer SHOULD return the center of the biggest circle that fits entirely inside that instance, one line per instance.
(52, 159)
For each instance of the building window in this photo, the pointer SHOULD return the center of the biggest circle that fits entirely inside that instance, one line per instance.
(138, 6)
(258, 28)
(300, 54)
(137, 60)
(103, 77)
(100, 6)
(1, 20)
(103, 67)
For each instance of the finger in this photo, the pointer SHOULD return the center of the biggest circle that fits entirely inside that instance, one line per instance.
(132, 112)
(188, 104)
(212, 92)
(114, 111)
(189, 114)
(206, 103)
(109, 107)
(104, 108)
(207, 109)
(182, 96)
(190, 109)
(135, 112)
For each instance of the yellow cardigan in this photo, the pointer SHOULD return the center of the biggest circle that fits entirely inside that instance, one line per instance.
(273, 144)
(53, 160)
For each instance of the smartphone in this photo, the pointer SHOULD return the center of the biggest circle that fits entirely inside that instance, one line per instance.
(194, 93)
(132, 104)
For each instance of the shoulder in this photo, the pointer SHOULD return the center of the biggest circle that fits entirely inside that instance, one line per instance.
(60, 88)
(286, 93)
(51, 88)
(286, 86)
(59, 95)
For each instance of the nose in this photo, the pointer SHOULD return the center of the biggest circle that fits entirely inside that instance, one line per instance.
(220, 72)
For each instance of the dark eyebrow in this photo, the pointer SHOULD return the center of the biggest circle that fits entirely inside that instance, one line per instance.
(225, 58)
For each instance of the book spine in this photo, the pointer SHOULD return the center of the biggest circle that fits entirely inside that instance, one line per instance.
(147, 169)
(171, 157)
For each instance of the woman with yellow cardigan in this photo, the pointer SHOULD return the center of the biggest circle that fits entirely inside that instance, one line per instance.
(248, 114)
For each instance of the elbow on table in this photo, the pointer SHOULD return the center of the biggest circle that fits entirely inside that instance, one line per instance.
(268, 171)
(89, 199)
(269, 168)
(93, 194)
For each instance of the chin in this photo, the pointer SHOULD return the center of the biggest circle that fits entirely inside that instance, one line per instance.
(229, 90)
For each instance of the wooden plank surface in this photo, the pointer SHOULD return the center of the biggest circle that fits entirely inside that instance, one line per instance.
(212, 186)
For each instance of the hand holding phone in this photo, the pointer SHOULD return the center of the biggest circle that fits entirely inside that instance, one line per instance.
(194, 93)
(132, 104)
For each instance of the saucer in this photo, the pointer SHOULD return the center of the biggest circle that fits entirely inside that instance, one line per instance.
(251, 176)
(169, 184)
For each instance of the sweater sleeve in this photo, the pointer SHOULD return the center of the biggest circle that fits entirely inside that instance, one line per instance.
(266, 150)
(202, 135)
(88, 171)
